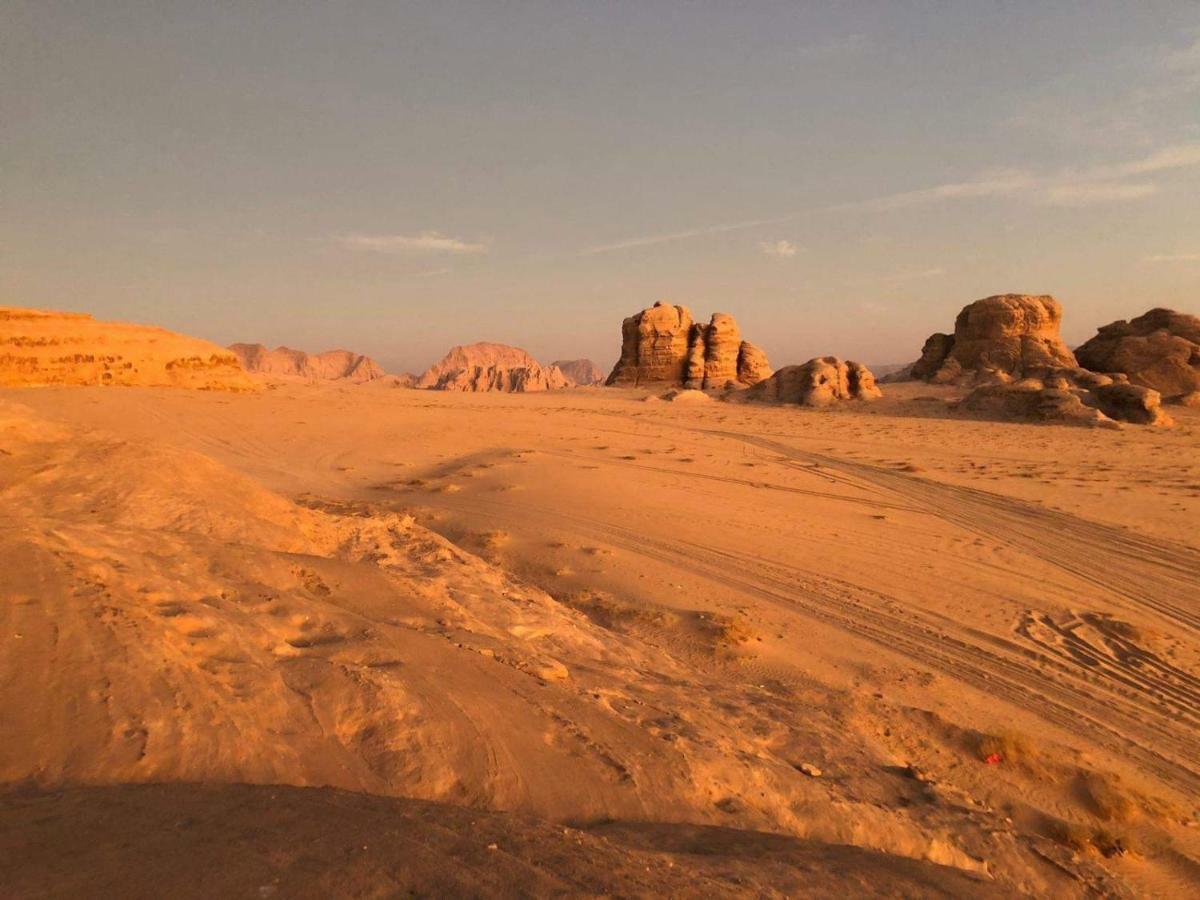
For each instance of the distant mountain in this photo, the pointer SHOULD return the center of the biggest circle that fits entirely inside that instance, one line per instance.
(286, 363)
(581, 371)
(476, 368)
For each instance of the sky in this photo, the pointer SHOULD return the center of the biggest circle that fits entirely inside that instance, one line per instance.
(396, 178)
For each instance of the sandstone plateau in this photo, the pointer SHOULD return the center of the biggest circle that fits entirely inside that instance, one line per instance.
(823, 381)
(48, 348)
(1160, 349)
(662, 345)
(582, 372)
(286, 363)
(482, 367)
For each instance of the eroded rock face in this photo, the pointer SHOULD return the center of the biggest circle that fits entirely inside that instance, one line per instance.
(654, 346)
(1072, 396)
(819, 382)
(286, 363)
(475, 368)
(933, 356)
(662, 345)
(582, 372)
(998, 339)
(44, 348)
(1159, 349)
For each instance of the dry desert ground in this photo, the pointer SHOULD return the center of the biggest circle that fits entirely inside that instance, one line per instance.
(360, 640)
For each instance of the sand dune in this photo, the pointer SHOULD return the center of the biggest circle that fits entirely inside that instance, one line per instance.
(384, 602)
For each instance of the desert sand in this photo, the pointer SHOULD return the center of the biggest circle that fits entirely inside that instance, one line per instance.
(324, 639)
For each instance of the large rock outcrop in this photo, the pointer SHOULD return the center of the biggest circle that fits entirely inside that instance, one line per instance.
(1071, 396)
(47, 348)
(582, 372)
(475, 368)
(997, 339)
(1159, 349)
(297, 365)
(663, 345)
(823, 381)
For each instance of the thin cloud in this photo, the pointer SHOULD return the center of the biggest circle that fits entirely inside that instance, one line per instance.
(1089, 194)
(1105, 183)
(1172, 257)
(1174, 156)
(425, 242)
(431, 273)
(650, 240)
(919, 275)
(782, 249)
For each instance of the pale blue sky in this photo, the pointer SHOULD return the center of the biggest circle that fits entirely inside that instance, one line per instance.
(398, 177)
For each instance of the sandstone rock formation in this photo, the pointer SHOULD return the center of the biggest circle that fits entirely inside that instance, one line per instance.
(491, 367)
(288, 364)
(997, 339)
(663, 345)
(44, 348)
(1159, 349)
(1071, 396)
(819, 382)
(582, 372)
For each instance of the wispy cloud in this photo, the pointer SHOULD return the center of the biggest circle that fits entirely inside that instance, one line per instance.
(1173, 156)
(1172, 257)
(425, 242)
(918, 275)
(1102, 183)
(431, 273)
(1092, 193)
(1090, 185)
(649, 240)
(782, 249)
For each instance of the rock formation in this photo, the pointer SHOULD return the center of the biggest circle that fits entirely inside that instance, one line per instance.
(582, 372)
(491, 367)
(1159, 349)
(44, 348)
(997, 339)
(662, 345)
(285, 363)
(819, 382)
(1073, 396)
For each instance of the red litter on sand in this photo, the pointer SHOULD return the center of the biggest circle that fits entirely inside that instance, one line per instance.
(993, 759)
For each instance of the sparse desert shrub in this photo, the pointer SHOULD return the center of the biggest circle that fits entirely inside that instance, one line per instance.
(726, 631)
(1003, 747)
(1104, 798)
(1088, 839)
(609, 612)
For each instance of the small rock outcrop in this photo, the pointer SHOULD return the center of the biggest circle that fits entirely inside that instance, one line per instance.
(480, 367)
(663, 345)
(819, 382)
(582, 372)
(998, 339)
(44, 348)
(1160, 349)
(297, 365)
